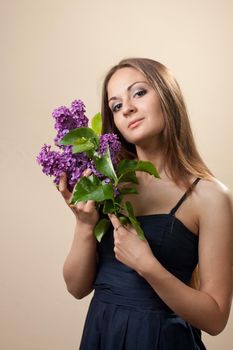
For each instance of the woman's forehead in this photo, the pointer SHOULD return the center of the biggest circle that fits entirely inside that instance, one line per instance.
(122, 79)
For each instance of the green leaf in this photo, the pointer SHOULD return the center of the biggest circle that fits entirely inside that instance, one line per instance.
(124, 220)
(117, 203)
(75, 137)
(91, 188)
(128, 177)
(82, 147)
(101, 228)
(134, 221)
(129, 208)
(96, 123)
(104, 165)
(127, 165)
(128, 190)
(108, 206)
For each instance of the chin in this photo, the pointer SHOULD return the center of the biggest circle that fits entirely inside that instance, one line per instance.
(136, 141)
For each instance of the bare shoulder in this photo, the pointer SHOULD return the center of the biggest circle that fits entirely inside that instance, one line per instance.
(214, 194)
(215, 213)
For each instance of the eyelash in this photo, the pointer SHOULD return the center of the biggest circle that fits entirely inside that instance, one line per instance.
(138, 93)
(141, 92)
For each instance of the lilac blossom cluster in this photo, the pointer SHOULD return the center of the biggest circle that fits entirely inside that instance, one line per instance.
(54, 163)
(111, 141)
(68, 119)
(73, 164)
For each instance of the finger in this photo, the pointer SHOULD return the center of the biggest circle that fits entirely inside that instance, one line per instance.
(90, 205)
(63, 187)
(81, 205)
(87, 172)
(115, 221)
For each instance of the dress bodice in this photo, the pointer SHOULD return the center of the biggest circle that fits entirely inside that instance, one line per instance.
(126, 312)
(171, 242)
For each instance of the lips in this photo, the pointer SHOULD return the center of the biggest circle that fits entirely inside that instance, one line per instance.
(134, 122)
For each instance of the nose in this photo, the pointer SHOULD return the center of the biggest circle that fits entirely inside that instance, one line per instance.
(128, 108)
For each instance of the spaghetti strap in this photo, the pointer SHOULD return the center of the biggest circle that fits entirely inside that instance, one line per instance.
(185, 195)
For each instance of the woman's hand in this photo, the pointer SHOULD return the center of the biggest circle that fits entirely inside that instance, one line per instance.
(85, 212)
(128, 247)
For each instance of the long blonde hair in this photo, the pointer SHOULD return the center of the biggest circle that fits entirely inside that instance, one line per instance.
(180, 152)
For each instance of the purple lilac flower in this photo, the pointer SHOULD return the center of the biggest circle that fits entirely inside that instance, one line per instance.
(48, 159)
(91, 165)
(68, 119)
(116, 192)
(55, 162)
(107, 180)
(111, 141)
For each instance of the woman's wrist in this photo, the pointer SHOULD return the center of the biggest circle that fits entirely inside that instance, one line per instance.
(147, 265)
(84, 231)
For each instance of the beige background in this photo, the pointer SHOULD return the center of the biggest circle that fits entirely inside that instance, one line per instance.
(54, 51)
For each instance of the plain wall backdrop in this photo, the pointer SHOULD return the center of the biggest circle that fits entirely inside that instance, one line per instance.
(52, 52)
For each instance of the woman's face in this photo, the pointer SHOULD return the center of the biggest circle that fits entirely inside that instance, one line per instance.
(135, 106)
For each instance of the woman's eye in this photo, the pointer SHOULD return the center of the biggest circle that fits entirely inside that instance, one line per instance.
(116, 107)
(140, 93)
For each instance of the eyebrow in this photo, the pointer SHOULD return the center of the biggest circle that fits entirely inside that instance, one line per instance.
(128, 89)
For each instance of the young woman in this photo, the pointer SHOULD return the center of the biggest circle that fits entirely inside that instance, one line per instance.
(145, 296)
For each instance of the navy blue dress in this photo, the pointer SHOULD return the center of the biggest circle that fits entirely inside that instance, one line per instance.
(125, 312)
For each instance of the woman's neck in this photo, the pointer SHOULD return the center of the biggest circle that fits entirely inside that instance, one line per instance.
(154, 155)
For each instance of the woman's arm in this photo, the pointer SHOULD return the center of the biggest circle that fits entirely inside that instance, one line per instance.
(208, 308)
(80, 265)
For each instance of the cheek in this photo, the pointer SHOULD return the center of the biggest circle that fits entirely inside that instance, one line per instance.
(122, 128)
(156, 106)
(160, 123)
(158, 113)
(119, 124)
(161, 119)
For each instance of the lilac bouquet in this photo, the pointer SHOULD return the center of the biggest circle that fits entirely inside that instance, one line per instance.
(81, 147)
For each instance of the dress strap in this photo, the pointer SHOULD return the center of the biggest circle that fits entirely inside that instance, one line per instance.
(185, 195)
